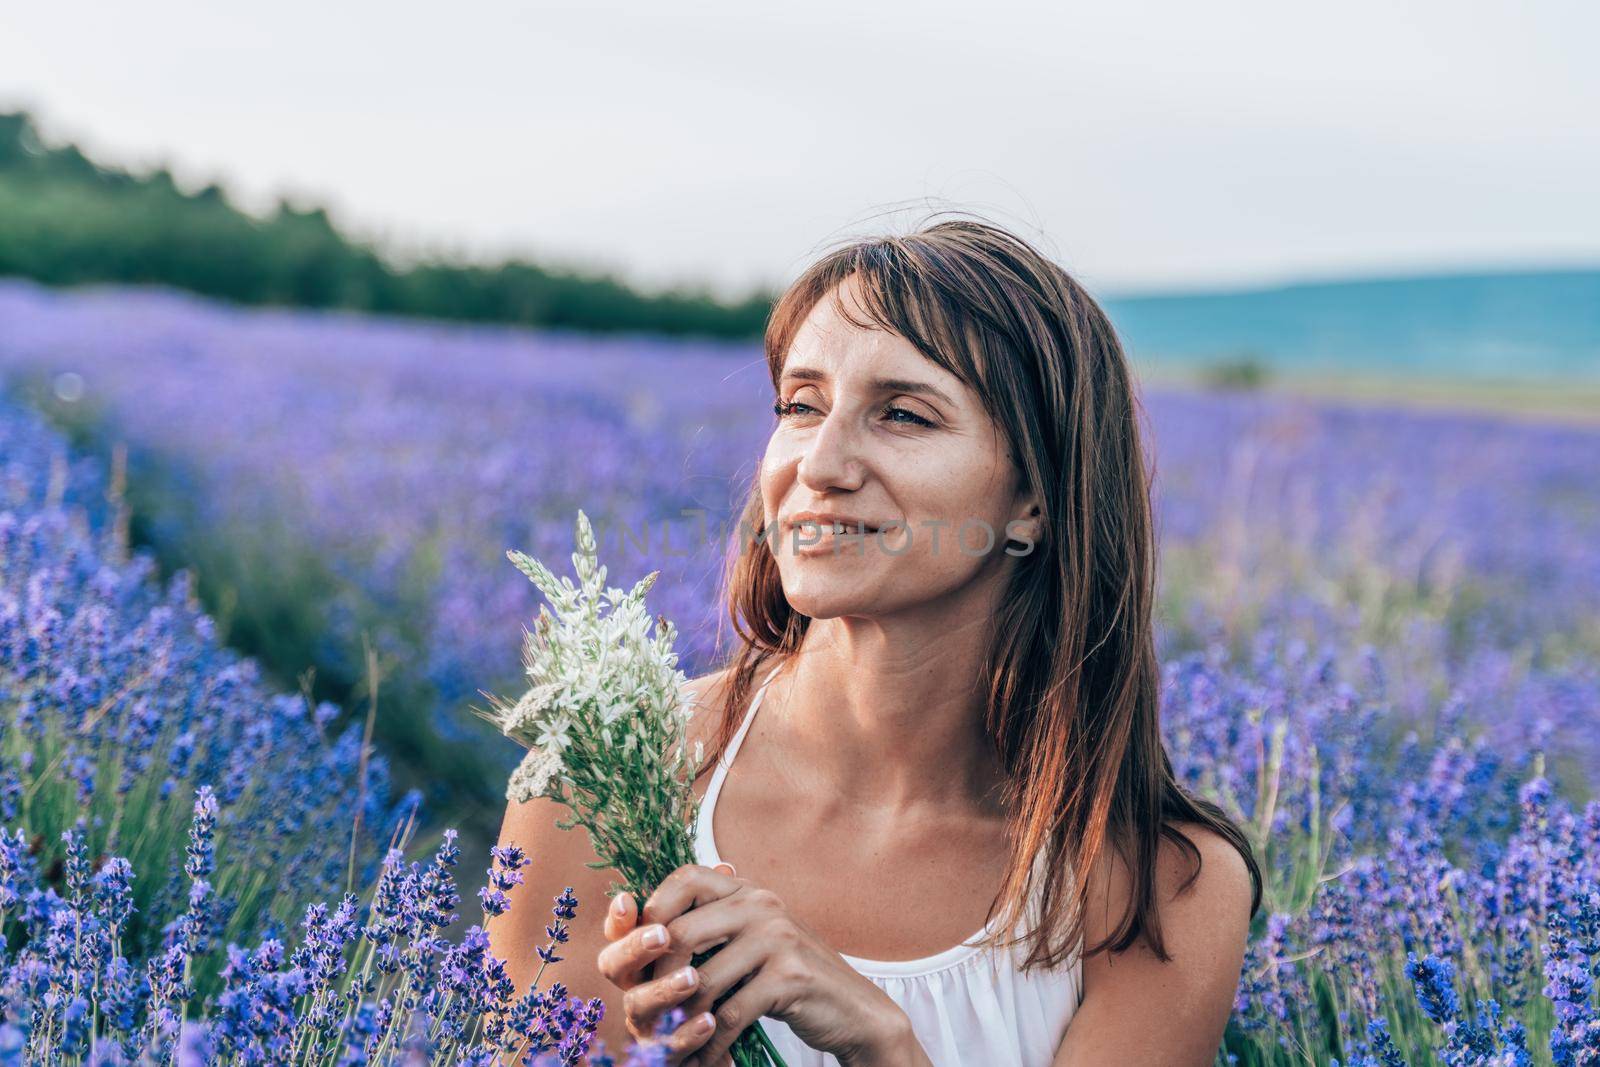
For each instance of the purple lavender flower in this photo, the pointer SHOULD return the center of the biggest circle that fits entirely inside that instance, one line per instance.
(200, 863)
(566, 907)
(505, 872)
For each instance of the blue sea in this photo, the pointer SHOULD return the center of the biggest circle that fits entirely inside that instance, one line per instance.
(1532, 326)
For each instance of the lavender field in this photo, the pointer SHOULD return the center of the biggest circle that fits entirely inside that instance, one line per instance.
(1381, 630)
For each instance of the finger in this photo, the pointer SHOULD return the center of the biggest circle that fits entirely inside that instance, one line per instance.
(713, 886)
(723, 971)
(622, 961)
(690, 885)
(688, 1038)
(751, 1001)
(621, 917)
(696, 1061)
(704, 930)
(647, 1007)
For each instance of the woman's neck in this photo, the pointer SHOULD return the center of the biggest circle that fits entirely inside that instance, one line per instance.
(886, 724)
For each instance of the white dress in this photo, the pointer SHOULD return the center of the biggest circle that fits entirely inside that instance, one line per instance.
(967, 1006)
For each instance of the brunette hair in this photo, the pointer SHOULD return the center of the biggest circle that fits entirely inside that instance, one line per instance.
(1072, 678)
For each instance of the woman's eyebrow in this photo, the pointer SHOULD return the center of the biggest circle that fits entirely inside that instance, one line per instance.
(881, 385)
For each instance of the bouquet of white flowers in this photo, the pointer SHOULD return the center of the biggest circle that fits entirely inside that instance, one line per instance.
(605, 721)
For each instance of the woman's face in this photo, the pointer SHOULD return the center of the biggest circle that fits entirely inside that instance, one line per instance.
(880, 433)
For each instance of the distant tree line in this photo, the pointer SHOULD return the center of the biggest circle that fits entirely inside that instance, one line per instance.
(65, 220)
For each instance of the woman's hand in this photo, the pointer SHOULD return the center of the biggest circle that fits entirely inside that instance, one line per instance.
(787, 972)
(645, 999)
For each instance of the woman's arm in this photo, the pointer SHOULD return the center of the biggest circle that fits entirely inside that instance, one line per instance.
(1137, 1009)
(557, 859)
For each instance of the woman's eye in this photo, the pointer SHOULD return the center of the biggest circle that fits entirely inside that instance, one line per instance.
(918, 420)
(784, 409)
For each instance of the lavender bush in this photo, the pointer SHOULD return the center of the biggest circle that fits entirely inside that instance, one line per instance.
(1414, 888)
(164, 820)
(370, 981)
(118, 701)
(394, 474)
(339, 476)
(1380, 629)
(399, 473)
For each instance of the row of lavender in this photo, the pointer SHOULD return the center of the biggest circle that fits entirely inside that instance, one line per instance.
(349, 482)
(1433, 892)
(1381, 632)
(408, 457)
(166, 822)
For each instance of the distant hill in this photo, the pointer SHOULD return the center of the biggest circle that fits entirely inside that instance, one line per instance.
(66, 219)
(1542, 325)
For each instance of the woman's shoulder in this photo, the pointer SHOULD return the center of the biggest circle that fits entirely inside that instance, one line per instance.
(1176, 1004)
(706, 695)
(1215, 872)
(1201, 879)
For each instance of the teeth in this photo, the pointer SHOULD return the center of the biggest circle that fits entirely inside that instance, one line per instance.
(844, 528)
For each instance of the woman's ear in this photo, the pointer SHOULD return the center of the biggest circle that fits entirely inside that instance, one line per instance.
(1026, 526)
(1027, 518)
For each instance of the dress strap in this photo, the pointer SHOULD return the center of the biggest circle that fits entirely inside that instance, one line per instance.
(726, 759)
(705, 844)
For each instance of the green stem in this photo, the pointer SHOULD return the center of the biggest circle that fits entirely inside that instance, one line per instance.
(767, 1046)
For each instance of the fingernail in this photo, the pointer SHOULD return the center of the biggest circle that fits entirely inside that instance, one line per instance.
(655, 937)
(619, 906)
(683, 978)
(732, 873)
(704, 1023)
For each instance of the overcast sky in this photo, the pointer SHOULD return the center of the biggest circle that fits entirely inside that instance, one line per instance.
(1144, 145)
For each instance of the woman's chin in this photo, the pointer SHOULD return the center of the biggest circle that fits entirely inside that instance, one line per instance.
(829, 597)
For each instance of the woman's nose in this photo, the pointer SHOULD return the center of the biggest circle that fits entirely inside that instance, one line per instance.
(830, 458)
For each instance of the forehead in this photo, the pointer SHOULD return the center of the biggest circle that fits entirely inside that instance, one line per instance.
(828, 342)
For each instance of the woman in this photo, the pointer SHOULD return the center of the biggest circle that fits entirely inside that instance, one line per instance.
(961, 697)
